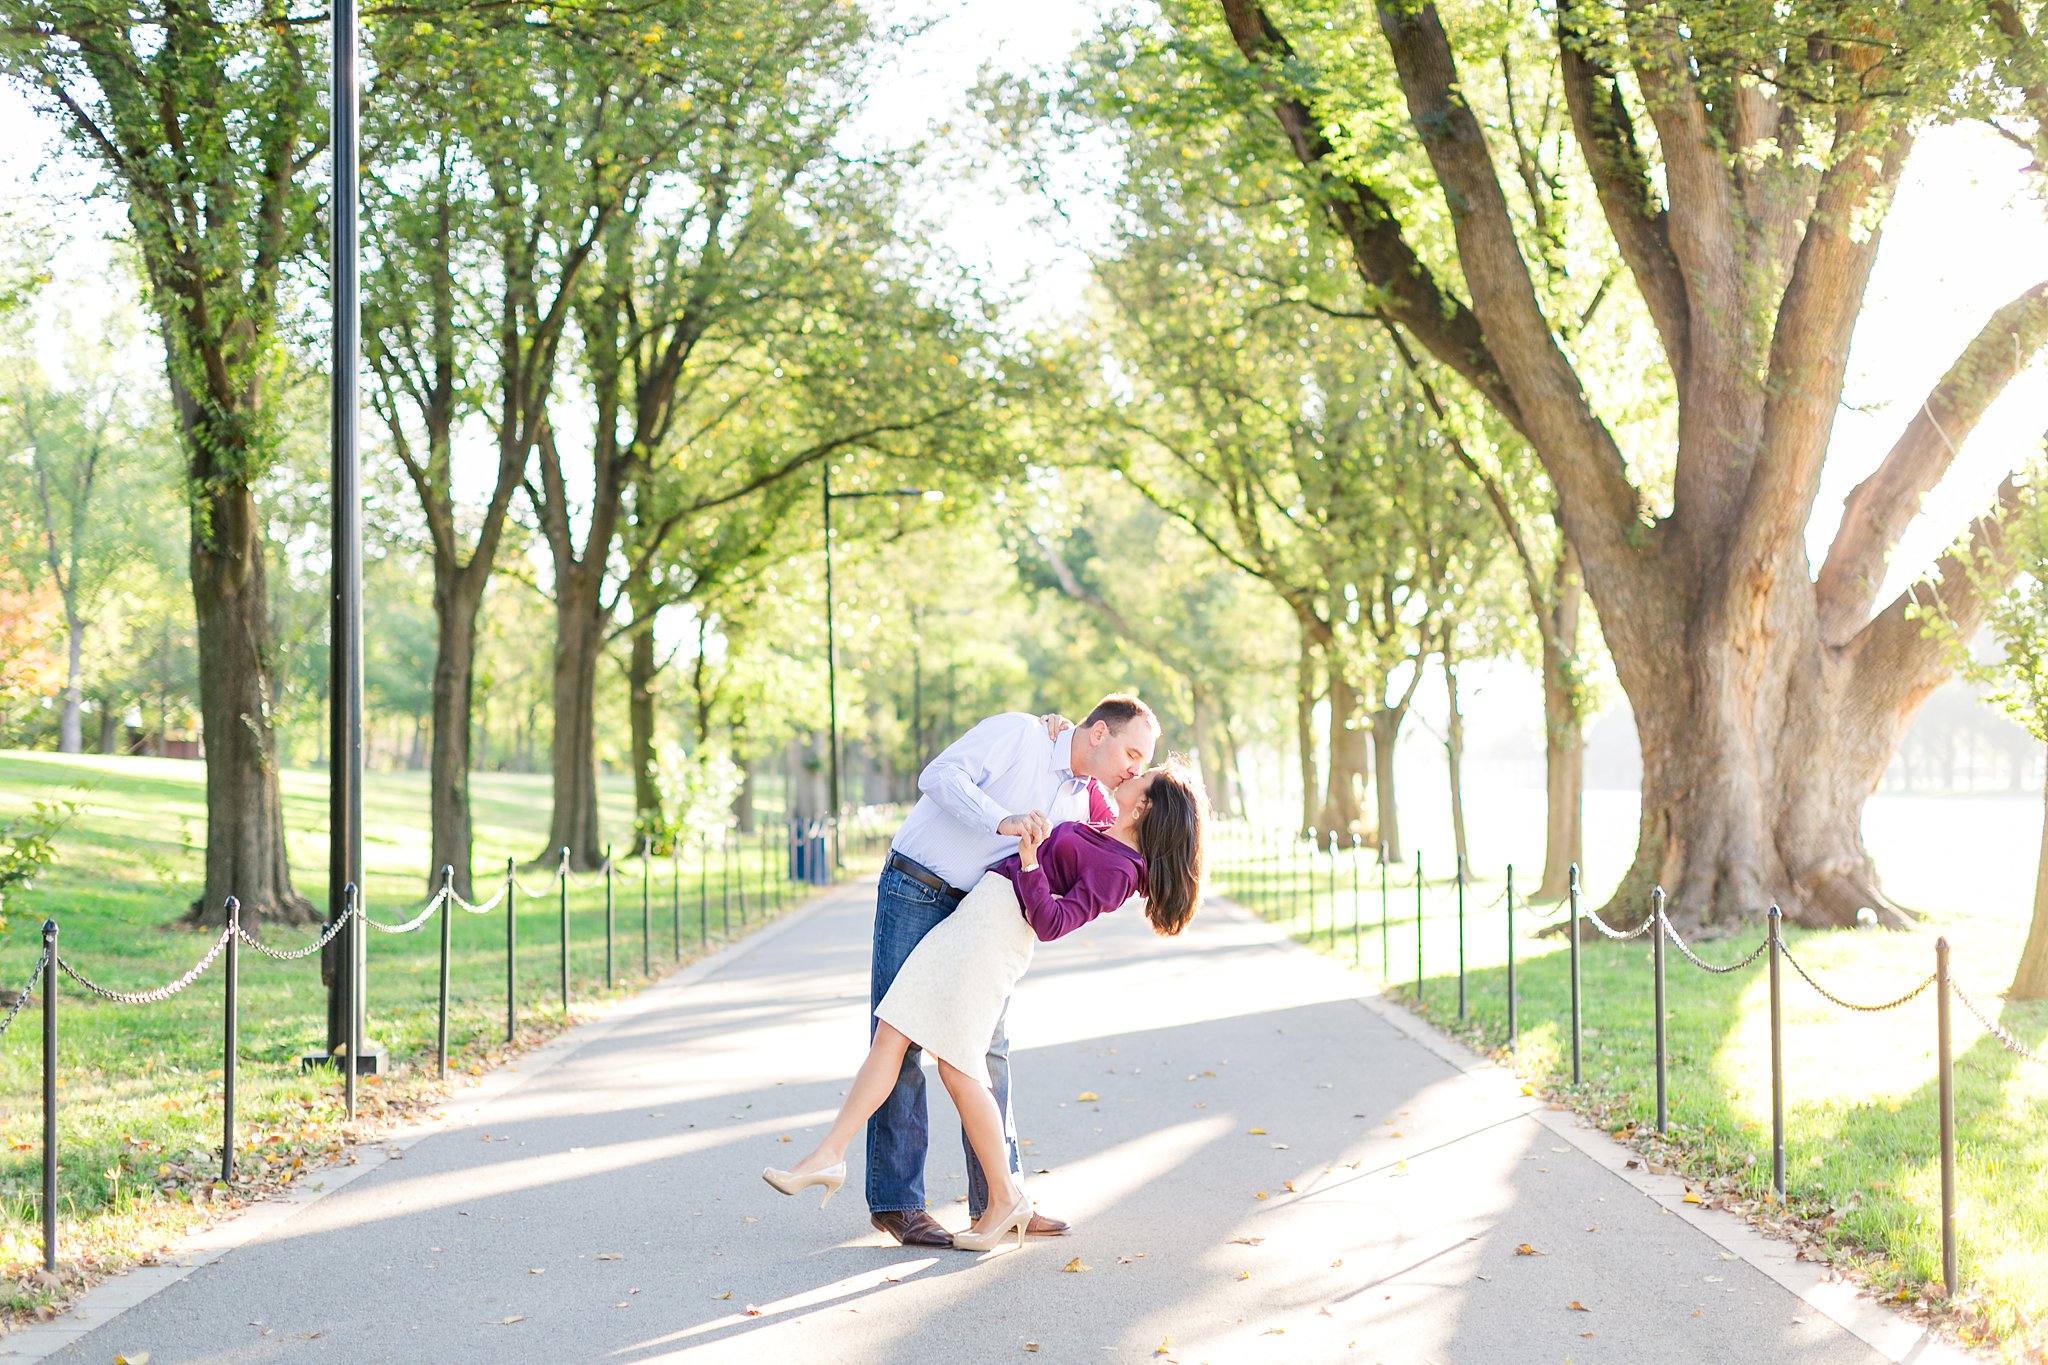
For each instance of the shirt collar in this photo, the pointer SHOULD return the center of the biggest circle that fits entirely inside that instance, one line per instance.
(1063, 755)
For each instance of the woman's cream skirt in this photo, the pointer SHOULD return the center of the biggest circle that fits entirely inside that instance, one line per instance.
(951, 989)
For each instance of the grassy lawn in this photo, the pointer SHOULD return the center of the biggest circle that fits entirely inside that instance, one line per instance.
(140, 1086)
(1860, 1094)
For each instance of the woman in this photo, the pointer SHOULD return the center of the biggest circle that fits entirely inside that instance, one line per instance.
(952, 987)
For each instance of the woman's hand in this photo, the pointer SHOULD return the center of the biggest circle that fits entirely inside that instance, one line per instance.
(1035, 829)
(1055, 724)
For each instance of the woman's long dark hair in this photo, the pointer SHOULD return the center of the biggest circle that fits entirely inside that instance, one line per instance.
(1170, 840)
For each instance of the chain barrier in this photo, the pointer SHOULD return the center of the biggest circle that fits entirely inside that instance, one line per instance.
(561, 870)
(161, 993)
(1671, 933)
(415, 922)
(294, 954)
(1616, 934)
(2010, 1043)
(473, 908)
(21, 997)
(1834, 999)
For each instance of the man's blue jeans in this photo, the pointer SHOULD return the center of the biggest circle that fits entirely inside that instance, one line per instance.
(900, 1131)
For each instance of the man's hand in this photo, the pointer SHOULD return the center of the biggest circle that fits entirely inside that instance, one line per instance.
(1055, 724)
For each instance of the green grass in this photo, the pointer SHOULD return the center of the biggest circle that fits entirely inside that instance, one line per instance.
(1860, 1089)
(140, 1086)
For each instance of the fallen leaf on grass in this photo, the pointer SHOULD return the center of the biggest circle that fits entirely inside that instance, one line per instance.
(1074, 1267)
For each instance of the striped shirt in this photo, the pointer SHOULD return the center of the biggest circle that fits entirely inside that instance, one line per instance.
(1002, 767)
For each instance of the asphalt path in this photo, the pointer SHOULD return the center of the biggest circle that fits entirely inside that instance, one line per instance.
(1260, 1165)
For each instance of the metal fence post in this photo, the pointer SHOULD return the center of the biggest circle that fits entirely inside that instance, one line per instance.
(1511, 955)
(1383, 916)
(704, 893)
(1951, 1279)
(1657, 998)
(511, 955)
(1418, 926)
(231, 1025)
(1774, 923)
(646, 908)
(562, 895)
(1461, 936)
(50, 1094)
(725, 881)
(1333, 890)
(739, 863)
(611, 976)
(1578, 1074)
(447, 929)
(675, 889)
(352, 902)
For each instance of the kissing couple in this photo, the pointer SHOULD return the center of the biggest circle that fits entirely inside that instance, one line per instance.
(1026, 829)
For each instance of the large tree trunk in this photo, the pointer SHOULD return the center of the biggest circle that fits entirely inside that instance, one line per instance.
(109, 729)
(2030, 980)
(1454, 752)
(572, 752)
(1564, 737)
(1386, 728)
(245, 848)
(743, 799)
(1343, 799)
(648, 818)
(448, 761)
(1212, 752)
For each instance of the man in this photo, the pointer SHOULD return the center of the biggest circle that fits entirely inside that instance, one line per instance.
(977, 796)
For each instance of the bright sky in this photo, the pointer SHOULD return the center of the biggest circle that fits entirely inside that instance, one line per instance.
(1963, 238)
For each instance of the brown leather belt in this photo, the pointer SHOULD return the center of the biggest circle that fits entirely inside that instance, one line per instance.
(930, 880)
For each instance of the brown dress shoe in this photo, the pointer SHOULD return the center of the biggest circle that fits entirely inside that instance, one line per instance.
(1042, 1226)
(913, 1227)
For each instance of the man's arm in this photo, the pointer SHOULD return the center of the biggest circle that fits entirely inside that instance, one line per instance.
(954, 778)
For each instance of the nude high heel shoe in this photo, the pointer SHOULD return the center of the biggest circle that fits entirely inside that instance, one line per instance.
(789, 1182)
(1018, 1219)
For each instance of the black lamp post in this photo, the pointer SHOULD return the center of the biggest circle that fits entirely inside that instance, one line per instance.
(831, 647)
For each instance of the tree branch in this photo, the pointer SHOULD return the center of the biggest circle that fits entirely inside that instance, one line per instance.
(1878, 510)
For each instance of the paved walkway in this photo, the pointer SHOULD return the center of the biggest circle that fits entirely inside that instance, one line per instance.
(1260, 1166)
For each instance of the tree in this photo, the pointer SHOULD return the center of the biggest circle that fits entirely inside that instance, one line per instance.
(93, 447)
(2017, 674)
(203, 119)
(1768, 696)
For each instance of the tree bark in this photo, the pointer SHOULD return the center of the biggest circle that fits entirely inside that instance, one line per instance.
(70, 725)
(448, 758)
(245, 848)
(1564, 737)
(1304, 732)
(648, 816)
(1386, 728)
(1343, 800)
(572, 751)
(2030, 979)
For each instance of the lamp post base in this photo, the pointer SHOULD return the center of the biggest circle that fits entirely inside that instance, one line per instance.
(371, 1061)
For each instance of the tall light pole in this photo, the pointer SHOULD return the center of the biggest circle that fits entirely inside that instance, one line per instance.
(831, 646)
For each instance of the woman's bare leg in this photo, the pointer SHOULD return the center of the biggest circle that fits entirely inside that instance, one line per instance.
(871, 1085)
(983, 1122)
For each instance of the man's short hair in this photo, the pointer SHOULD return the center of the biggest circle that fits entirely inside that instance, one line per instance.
(1119, 709)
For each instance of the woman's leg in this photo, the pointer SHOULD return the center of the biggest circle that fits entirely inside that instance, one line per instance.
(871, 1085)
(983, 1122)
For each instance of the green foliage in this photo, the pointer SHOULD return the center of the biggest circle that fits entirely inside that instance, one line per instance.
(28, 845)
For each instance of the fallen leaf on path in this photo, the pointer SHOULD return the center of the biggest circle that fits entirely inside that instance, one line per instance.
(1258, 1132)
(1074, 1267)
(1526, 1250)
(1260, 1195)
(1578, 1307)
(1165, 1345)
(137, 1358)
(1528, 1088)
(609, 1256)
(1274, 1332)
(752, 1311)
(1334, 1264)
(1691, 1198)
(1030, 1345)
(1277, 1146)
(508, 1321)
(1248, 1241)
(536, 1270)
(1086, 1096)
(726, 1295)
(1244, 1274)
(1324, 1312)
